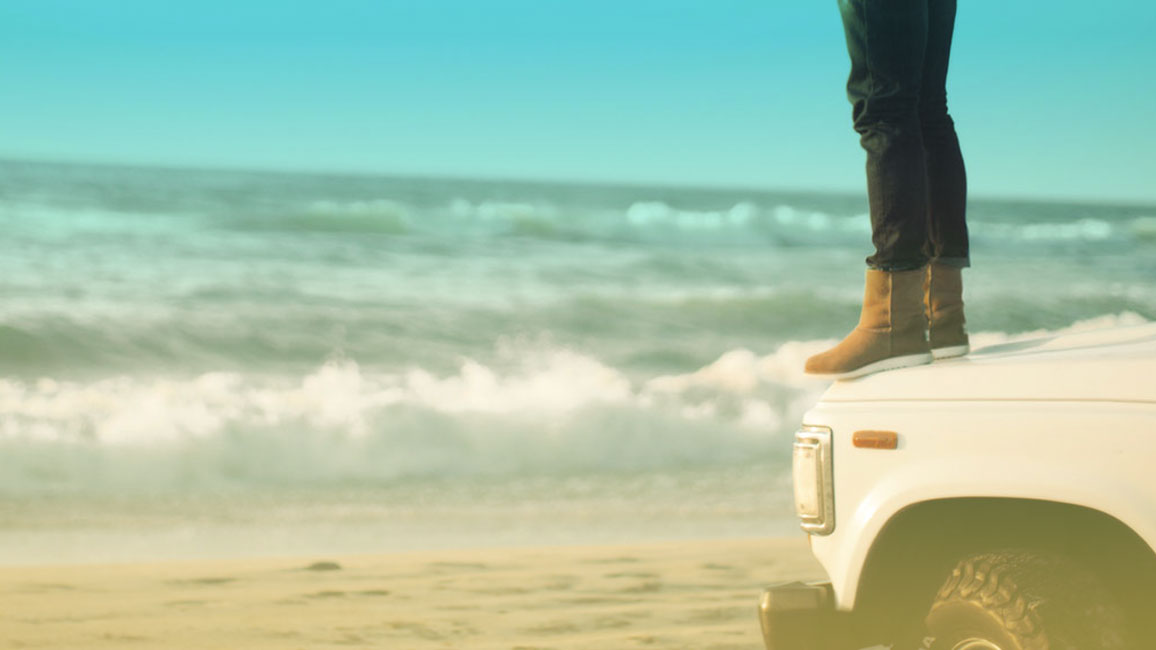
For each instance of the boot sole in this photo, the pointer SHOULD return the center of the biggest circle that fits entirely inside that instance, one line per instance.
(950, 351)
(892, 363)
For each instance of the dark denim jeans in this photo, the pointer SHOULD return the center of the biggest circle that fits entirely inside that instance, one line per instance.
(916, 183)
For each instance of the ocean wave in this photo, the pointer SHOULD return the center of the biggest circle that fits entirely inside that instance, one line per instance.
(99, 344)
(652, 213)
(523, 220)
(655, 221)
(755, 220)
(557, 411)
(656, 313)
(1085, 230)
(381, 216)
(231, 328)
(649, 222)
(551, 411)
(496, 211)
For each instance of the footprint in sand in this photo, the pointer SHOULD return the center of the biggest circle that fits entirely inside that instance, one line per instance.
(643, 575)
(326, 594)
(418, 630)
(646, 587)
(201, 581)
(374, 592)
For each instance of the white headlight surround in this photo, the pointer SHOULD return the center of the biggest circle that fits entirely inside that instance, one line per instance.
(814, 480)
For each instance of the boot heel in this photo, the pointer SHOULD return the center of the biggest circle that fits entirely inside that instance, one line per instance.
(950, 352)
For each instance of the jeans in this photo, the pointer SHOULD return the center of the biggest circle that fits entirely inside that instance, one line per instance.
(916, 183)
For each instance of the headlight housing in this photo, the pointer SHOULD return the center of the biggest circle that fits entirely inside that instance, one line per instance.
(814, 481)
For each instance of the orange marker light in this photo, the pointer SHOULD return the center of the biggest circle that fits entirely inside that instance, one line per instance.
(875, 439)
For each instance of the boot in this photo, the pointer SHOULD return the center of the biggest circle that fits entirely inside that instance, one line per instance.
(943, 291)
(891, 331)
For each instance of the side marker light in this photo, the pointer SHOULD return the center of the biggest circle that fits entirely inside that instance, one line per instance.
(875, 439)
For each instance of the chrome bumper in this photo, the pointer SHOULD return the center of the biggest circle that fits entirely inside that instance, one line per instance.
(798, 616)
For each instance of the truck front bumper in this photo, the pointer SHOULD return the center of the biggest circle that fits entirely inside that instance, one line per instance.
(798, 616)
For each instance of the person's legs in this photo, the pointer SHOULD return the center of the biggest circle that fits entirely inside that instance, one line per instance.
(947, 192)
(887, 40)
(946, 176)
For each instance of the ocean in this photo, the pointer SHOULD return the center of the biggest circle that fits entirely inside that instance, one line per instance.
(204, 362)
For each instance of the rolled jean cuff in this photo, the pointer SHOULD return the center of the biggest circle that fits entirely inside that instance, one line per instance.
(957, 262)
(897, 266)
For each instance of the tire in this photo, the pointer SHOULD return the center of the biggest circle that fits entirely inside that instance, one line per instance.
(1017, 600)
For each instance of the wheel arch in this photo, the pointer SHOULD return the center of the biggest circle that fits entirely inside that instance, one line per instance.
(917, 548)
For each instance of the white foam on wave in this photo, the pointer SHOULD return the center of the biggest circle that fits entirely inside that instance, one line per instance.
(657, 214)
(651, 213)
(554, 411)
(770, 391)
(501, 210)
(1086, 229)
(559, 383)
(551, 410)
(548, 384)
(794, 219)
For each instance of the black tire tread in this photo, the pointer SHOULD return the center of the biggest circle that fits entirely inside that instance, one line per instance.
(989, 582)
(1043, 602)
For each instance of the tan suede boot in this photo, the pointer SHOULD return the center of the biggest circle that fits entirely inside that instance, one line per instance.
(891, 331)
(947, 331)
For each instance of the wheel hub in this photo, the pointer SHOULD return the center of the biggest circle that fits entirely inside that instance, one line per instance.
(976, 644)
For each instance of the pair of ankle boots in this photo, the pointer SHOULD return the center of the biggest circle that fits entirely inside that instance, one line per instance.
(909, 318)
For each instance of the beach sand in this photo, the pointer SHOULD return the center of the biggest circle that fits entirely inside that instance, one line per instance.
(685, 594)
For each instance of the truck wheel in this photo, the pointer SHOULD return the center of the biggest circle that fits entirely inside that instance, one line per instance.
(1019, 600)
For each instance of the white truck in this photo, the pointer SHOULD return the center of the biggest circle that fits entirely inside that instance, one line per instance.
(1001, 501)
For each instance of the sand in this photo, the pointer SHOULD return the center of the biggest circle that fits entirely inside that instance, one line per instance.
(689, 594)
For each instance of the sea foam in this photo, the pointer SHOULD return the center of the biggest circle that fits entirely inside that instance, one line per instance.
(555, 412)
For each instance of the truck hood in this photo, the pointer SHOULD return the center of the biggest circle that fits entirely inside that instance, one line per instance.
(1112, 365)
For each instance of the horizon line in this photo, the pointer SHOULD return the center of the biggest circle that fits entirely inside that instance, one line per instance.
(1126, 202)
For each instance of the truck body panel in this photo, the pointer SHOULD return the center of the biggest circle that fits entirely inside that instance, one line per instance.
(1065, 419)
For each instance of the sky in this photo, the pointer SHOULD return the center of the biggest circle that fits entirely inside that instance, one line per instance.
(1051, 100)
